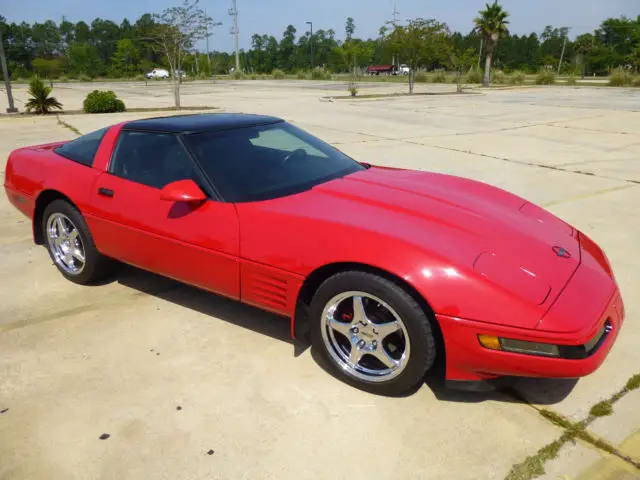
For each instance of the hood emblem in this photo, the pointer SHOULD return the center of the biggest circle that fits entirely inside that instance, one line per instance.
(561, 252)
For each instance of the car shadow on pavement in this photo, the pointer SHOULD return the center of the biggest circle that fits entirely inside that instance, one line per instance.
(525, 390)
(540, 391)
(207, 303)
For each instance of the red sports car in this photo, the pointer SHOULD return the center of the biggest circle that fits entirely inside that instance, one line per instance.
(386, 269)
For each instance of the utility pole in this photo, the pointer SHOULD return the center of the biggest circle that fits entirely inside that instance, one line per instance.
(207, 35)
(395, 14)
(564, 45)
(5, 73)
(311, 42)
(233, 11)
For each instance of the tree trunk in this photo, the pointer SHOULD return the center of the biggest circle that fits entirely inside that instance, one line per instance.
(412, 80)
(487, 69)
(176, 94)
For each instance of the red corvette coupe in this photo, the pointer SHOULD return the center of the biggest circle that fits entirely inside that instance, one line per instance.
(385, 268)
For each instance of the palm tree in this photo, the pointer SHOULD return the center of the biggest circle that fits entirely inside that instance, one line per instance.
(491, 23)
(39, 100)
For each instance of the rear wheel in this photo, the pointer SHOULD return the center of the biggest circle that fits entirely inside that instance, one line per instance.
(70, 244)
(372, 333)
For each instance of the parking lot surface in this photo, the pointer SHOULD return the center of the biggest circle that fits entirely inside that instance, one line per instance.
(184, 384)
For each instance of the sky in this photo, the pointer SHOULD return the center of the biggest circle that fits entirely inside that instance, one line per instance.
(272, 16)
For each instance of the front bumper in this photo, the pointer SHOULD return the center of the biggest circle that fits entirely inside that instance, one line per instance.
(467, 360)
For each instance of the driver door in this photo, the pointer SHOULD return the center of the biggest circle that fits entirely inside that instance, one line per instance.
(194, 243)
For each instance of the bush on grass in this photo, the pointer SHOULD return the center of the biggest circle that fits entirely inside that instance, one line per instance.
(103, 102)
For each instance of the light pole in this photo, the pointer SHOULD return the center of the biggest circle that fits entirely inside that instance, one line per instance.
(311, 41)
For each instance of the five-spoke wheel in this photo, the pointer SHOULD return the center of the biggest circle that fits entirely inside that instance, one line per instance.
(65, 243)
(70, 244)
(365, 336)
(372, 332)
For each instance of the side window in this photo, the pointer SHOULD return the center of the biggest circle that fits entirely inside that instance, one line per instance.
(83, 149)
(153, 159)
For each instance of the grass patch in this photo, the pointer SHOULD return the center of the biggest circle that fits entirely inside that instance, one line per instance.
(421, 77)
(533, 466)
(620, 78)
(474, 76)
(546, 77)
(556, 418)
(69, 126)
(601, 409)
(439, 77)
(633, 383)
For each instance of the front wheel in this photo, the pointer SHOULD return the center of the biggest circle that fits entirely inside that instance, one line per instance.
(372, 333)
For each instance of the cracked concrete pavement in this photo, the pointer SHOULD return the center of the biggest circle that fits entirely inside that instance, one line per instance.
(120, 358)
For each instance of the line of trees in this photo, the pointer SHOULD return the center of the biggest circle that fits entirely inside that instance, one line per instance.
(106, 49)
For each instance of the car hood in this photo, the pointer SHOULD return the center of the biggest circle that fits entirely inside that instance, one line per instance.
(479, 229)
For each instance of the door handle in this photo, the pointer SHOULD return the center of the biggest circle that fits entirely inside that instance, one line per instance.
(105, 192)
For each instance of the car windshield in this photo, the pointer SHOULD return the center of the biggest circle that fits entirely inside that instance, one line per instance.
(268, 161)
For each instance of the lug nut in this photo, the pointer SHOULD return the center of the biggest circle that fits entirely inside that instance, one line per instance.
(361, 343)
(355, 330)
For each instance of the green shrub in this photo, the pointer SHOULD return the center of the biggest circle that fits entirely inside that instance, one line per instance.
(103, 102)
(139, 78)
(620, 77)
(353, 91)
(546, 77)
(20, 73)
(498, 77)
(571, 79)
(439, 77)
(517, 78)
(636, 81)
(320, 74)
(63, 79)
(301, 75)
(84, 78)
(39, 99)
(254, 76)
(238, 76)
(277, 74)
(421, 77)
(474, 76)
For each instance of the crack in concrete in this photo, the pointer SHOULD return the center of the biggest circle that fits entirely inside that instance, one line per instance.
(523, 162)
(587, 195)
(533, 466)
(68, 125)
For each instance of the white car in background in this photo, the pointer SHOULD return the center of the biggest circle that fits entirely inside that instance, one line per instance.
(158, 73)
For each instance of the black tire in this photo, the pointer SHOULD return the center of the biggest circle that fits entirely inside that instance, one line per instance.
(96, 265)
(415, 319)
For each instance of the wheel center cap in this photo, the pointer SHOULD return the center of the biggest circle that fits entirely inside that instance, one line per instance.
(367, 333)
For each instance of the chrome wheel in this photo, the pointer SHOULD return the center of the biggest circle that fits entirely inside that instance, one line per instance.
(65, 244)
(365, 336)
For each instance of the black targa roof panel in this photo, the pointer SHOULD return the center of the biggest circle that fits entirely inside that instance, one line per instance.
(210, 122)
